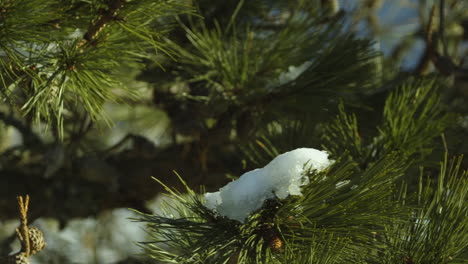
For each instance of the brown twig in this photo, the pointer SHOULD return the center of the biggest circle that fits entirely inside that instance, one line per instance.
(442, 27)
(23, 231)
(31, 238)
(96, 26)
(430, 44)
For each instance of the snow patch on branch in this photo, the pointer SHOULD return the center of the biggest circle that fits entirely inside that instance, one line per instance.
(282, 177)
(293, 72)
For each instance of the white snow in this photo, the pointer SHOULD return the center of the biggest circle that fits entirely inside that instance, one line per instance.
(282, 177)
(293, 72)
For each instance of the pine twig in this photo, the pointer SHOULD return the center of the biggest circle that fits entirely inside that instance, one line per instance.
(99, 24)
(430, 45)
(442, 27)
(31, 238)
(23, 231)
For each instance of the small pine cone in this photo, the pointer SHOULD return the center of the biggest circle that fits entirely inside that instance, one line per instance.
(276, 244)
(273, 240)
(36, 240)
(18, 258)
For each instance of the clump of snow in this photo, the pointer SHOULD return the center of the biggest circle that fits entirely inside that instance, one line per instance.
(293, 72)
(282, 177)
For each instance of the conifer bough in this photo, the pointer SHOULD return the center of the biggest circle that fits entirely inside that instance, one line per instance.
(282, 177)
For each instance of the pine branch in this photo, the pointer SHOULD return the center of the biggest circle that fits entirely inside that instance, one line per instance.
(436, 230)
(81, 72)
(343, 134)
(224, 67)
(413, 116)
(341, 203)
(105, 16)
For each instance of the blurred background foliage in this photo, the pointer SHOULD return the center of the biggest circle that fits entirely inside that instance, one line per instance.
(98, 96)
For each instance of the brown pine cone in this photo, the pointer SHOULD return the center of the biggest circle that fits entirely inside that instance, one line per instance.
(36, 240)
(276, 244)
(273, 240)
(18, 258)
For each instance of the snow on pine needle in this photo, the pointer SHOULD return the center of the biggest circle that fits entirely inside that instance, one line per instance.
(282, 177)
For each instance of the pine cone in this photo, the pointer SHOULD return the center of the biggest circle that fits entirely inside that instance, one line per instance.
(18, 258)
(276, 244)
(36, 240)
(273, 240)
